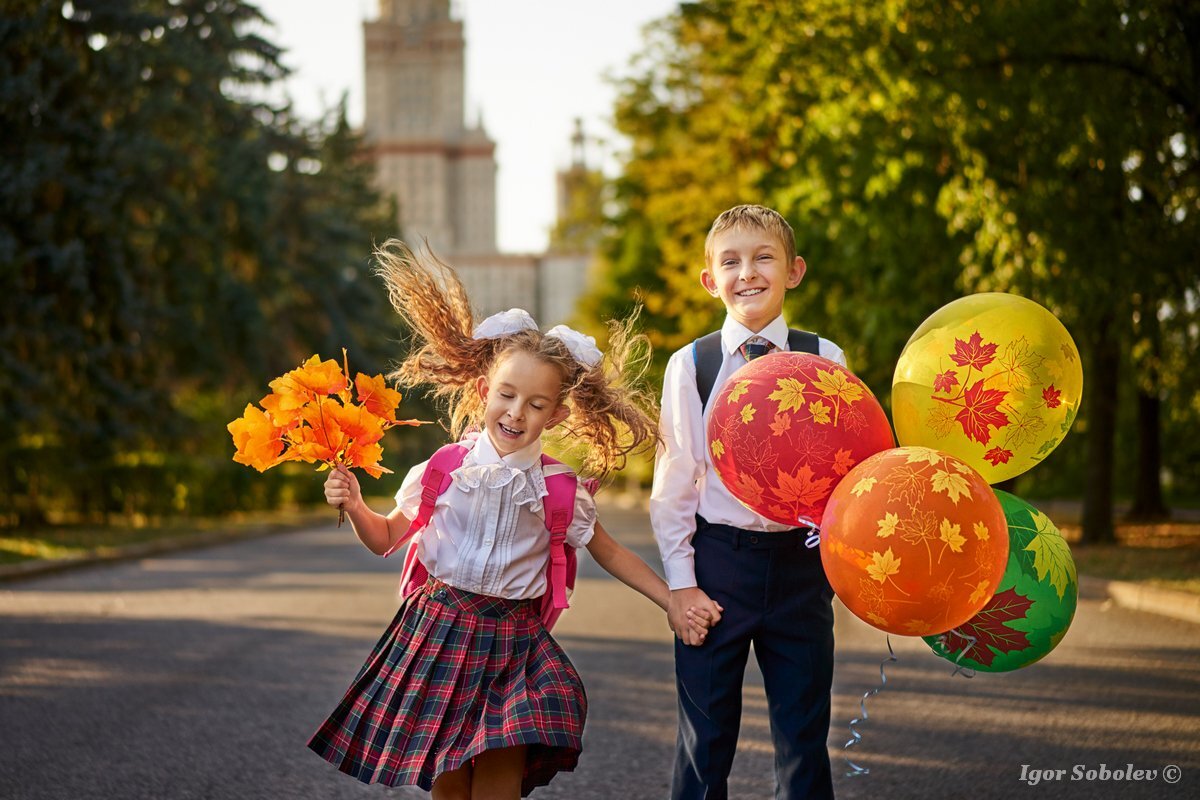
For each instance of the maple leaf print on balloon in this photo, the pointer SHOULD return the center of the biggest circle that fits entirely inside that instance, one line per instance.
(747, 414)
(863, 486)
(819, 411)
(887, 525)
(973, 352)
(737, 391)
(953, 484)
(883, 565)
(923, 455)
(1051, 555)
(781, 424)
(906, 484)
(843, 460)
(789, 393)
(1018, 365)
(800, 489)
(749, 489)
(1023, 429)
(998, 455)
(836, 385)
(945, 381)
(1051, 397)
(950, 536)
(941, 420)
(993, 636)
(981, 411)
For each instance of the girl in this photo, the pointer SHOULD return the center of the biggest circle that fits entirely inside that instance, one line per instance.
(467, 694)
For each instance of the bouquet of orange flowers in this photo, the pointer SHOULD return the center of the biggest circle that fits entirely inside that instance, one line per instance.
(310, 416)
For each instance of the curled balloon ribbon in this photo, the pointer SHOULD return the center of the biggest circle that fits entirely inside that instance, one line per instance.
(814, 532)
(967, 672)
(855, 736)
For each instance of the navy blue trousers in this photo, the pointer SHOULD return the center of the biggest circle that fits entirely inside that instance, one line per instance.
(776, 597)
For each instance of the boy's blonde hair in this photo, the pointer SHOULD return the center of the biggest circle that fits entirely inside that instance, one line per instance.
(612, 414)
(753, 217)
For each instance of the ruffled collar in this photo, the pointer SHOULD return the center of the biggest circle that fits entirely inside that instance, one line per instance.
(486, 468)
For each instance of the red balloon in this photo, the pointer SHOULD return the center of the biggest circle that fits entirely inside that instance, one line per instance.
(786, 427)
(914, 541)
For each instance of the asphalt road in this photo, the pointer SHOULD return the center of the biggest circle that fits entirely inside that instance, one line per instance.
(202, 674)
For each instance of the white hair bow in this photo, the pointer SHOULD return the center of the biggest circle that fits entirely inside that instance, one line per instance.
(515, 320)
(504, 323)
(582, 346)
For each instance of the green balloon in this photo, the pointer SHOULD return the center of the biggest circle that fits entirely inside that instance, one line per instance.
(1032, 608)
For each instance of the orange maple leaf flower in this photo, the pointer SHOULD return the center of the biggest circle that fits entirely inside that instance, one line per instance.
(376, 397)
(319, 377)
(258, 440)
(310, 416)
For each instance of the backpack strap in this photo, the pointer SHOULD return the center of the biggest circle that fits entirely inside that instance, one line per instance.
(435, 480)
(804, 342)
(706, 353)
(559, 507)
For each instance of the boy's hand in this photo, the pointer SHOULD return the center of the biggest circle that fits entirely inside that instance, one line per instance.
(690, 613)
(341, 489)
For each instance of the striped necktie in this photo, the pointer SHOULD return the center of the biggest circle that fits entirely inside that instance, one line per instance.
(755, 347)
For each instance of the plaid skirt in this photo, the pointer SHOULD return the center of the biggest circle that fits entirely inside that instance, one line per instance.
(456, 674)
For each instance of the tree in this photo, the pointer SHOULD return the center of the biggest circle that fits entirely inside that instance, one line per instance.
(146, 287)
(923, 150)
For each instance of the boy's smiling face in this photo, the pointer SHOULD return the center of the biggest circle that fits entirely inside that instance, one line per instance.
(750, 272)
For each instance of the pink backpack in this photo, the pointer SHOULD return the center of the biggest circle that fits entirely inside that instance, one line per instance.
(559, 507)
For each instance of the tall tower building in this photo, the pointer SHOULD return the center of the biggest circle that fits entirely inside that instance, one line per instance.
(442, 173)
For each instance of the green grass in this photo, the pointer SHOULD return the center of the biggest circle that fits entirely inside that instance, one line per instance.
(1165, 555)
(76, 541)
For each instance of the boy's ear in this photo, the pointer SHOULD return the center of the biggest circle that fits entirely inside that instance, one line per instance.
(796, 273)
(709, 284)
(562, 412)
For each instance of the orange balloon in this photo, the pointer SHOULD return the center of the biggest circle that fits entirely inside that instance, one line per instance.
(914, 541)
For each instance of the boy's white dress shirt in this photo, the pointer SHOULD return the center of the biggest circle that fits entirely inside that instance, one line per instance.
(685, 482)
(488, 530)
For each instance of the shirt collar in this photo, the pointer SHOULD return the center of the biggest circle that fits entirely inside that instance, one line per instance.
(734, 334)
(485, 453)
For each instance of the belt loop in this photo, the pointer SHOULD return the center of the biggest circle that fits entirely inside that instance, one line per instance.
(737, 537)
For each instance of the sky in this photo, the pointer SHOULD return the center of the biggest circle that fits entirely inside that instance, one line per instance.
(532, 66)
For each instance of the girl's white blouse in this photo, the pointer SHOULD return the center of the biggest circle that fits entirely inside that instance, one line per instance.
(488, 531)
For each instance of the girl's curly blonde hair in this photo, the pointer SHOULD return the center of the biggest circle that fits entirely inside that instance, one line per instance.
(610, 411)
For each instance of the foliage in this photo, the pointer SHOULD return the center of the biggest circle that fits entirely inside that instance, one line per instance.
(310, 416)
(924, 150)
(164, 239)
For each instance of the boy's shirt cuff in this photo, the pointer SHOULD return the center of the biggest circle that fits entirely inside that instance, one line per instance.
(680, 572)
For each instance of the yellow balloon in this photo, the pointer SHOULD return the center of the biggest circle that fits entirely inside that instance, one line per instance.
(994, 379)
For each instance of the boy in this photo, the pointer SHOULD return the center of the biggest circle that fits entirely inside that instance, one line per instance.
(772, 588)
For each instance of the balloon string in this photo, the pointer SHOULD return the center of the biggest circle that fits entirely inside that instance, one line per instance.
(855, 736)
(966, 672)
(814, 532)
